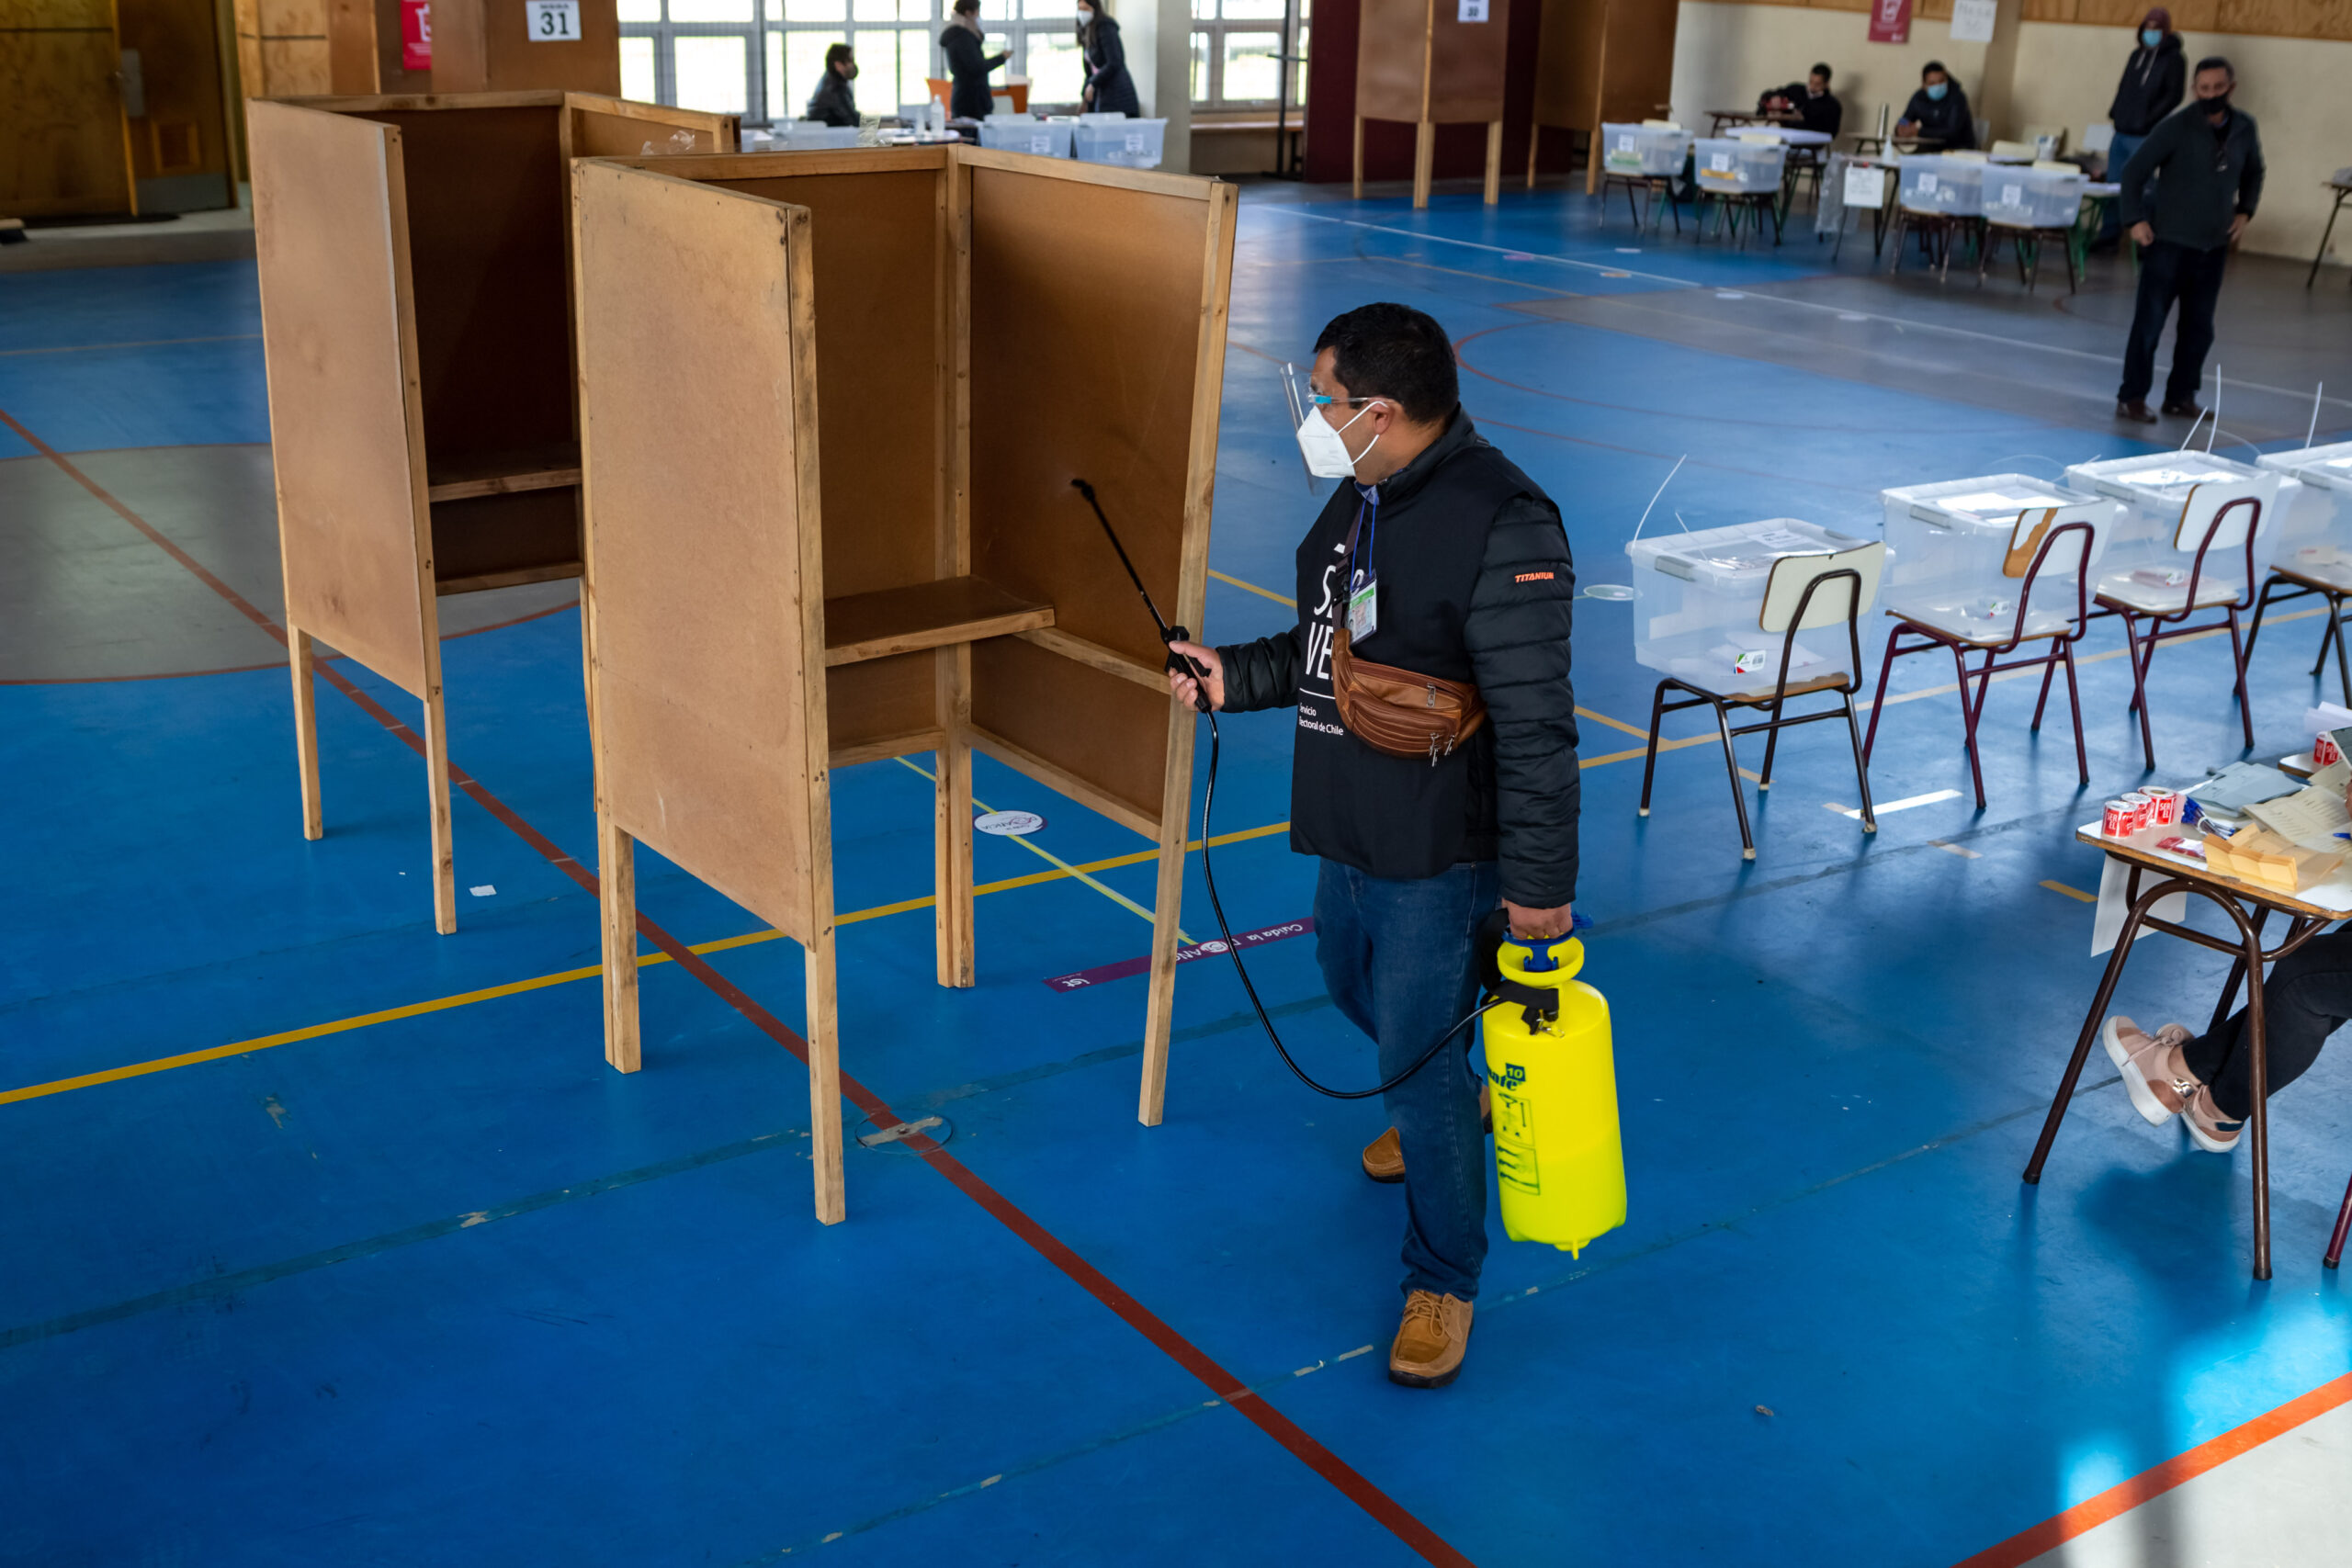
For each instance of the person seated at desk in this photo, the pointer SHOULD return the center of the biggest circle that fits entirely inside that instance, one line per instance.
(969, 61)
(1809, 101)
(833, 103)
(1938, 109)
(2206, 1080)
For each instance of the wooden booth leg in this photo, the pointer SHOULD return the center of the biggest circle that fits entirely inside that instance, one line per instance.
(1359, 190)
(617, 900)
(437, 768)
(1166, 910)
(1424, 161)
(1493, 162)
(1534, 135)
(306, 731)
(1592, 159)
(952, 881)
(825, 1077)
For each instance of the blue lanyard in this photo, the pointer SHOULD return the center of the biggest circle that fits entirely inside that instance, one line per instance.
(1367, 513)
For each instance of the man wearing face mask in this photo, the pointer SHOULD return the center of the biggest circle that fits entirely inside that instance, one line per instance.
(1439, 558)
(2206, 160)
(833, 102)
(1939, 110)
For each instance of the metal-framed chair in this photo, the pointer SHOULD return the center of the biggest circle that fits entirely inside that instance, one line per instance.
(2218, 517)
(2032, 545)
(1789, 606)
(1759, 204)
(2300, 585)
(1644, 218)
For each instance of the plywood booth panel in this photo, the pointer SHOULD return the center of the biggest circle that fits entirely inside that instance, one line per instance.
(471, 475)
(974, 330)
(704, 749)
(330, 231)
(1420, 62)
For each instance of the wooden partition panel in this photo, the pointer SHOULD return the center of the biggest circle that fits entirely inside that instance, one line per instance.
(1415, 60)
(1093, 356)
(603, 127)
(330, 227)
(488, 46)
(703, 599)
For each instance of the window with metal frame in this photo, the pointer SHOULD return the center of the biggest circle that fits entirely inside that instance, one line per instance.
(1237, 53)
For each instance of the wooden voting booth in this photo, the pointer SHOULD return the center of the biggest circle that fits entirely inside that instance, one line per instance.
(1428, 63)
(1601, 60)
(831, 405)
(416, 325)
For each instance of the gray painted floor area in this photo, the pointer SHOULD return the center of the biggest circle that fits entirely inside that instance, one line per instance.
(2048, 355)
(2287, 1504)
(89, 598)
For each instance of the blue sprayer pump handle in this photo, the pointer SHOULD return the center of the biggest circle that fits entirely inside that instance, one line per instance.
(1539, 949)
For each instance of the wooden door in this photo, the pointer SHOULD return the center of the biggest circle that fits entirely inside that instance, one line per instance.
(178, 113)
(64, 148)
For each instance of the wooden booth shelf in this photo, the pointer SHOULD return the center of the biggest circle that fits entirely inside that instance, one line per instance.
(831, 404)
(416, 323)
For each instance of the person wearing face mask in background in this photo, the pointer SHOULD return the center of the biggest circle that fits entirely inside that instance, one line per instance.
(1938, 109)
(2206, 160)
(833, 103)
(1447, 561)
(1109, 88)
(2154, 79)
(969, 61)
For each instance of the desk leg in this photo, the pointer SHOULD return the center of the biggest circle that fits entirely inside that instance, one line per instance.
(2312, 277)
(306, 731)
(2343, 1226)
(2237, 972)
(824, 1075)
(2066, 1095)
(436, 769)
(2257, 1129)
(617, 905)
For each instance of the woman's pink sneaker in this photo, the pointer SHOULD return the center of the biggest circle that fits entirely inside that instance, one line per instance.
(2155, 1076)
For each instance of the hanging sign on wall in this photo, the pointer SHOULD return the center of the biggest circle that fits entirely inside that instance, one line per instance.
(553, 21)
(1972, 20)
(1890, 21)
(416, 35)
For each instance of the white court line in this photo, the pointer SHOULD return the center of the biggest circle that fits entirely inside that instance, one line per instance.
(1955, 849)
(1906, 804)
(1498, 250)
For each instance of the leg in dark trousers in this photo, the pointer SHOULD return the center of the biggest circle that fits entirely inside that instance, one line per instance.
(2199, 288)
(2307, 997)
(2160, 266)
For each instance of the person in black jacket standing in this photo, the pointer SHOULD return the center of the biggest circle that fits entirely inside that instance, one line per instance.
(1109, 88)
(2206, 160)
(1449, 562)
(2154, 79)
(834, 102)
(969, 61)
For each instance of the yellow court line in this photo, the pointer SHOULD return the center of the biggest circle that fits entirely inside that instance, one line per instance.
(539, 983)
(2075, 893)
(1107, 891)
(1253, 588)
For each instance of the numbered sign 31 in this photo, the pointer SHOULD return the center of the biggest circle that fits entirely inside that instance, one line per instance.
(553, 21)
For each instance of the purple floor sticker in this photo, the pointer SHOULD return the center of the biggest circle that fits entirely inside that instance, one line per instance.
(1210, 948)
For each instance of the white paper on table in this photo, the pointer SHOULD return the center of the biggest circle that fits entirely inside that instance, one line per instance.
(2098, 136)
(2107, 920)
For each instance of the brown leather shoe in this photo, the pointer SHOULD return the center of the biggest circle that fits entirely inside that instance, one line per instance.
(1431, 1341)
(2184, 410)
(2137, 413)
(1384, 1157)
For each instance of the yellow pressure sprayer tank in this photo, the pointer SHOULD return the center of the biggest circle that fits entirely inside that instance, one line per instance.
(1553, 1085)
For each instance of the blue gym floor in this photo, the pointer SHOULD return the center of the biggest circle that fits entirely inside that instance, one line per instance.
(330, 1240)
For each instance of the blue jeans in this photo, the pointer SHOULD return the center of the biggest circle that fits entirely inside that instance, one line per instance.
(1401, 964)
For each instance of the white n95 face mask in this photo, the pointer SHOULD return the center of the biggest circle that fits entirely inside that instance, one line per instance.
(1327, 456)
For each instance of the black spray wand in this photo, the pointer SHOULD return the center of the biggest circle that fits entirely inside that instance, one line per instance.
(1168, 634)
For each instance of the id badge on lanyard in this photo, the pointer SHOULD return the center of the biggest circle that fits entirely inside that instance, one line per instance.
(1363, 582)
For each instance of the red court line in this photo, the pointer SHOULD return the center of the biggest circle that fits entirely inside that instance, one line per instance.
(2026, 1545)
(1351, 1483)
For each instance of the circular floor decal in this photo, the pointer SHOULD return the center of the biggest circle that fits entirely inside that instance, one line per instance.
(1008, 824)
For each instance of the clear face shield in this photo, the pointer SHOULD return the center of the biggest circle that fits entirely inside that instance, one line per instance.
(1319, 444)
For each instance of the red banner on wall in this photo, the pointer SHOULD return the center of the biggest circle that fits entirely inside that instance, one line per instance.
(416, 35)
(1890, 21)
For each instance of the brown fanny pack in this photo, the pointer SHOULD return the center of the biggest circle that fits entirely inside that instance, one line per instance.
(1394, 711)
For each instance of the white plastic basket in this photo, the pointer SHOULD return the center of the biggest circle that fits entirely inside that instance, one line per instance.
(1729, 166)
(1019, 133)
(2032, 199)
(1130, 143)
(1951, 186)
(1644, 149)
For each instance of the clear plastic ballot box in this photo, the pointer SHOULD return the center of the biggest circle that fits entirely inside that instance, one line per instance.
(1961, 548)
(1731, 167)
(1952, 186)
(1644, 149)
(2315, 521)
(2033, 198)
(1699, 602)
(2171, 500)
